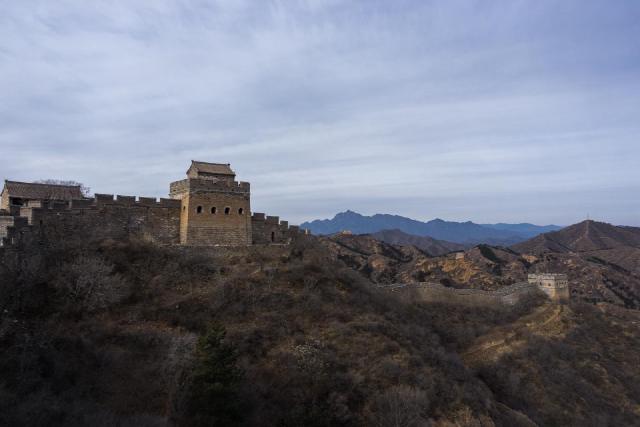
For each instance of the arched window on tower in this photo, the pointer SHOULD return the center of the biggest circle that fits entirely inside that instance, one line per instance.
(199, 209)
(227, 210)
(213, 210)
(240, 211)
(273, 236)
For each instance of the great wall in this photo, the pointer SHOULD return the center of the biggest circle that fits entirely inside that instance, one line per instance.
(208, 208)
(553, 285)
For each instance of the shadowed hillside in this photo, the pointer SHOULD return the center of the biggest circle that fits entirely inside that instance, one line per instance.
(131, 334)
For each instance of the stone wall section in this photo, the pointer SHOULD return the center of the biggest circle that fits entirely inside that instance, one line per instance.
(208, 208)
(105, 217)
(270, 230)
(435, 292)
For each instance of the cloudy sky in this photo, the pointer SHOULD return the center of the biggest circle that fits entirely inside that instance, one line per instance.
(465, 110)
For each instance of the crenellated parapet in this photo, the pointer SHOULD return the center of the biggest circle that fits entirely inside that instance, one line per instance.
(119, 200)
(208, 208)
(178, 189)
(107, 216)
(270, 229)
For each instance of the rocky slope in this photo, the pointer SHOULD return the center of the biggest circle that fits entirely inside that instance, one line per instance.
(597, 276)
(429, 245)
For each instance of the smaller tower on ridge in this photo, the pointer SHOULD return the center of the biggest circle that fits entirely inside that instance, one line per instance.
(556, 286)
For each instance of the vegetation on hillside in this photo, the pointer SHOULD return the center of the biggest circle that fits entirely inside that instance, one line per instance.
(127, 333)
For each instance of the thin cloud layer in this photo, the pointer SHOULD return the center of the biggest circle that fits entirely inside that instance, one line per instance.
(485, 111)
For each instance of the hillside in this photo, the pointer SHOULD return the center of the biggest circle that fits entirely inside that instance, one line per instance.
(128, 333)
(583, 237)
(457, 232)
(600, 276)
(429, 245)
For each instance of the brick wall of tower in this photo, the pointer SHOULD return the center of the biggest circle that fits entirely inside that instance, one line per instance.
(213, 212)
(207, 228)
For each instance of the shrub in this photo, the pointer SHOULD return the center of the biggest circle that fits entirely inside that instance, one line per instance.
(88, 283)
(400, 406)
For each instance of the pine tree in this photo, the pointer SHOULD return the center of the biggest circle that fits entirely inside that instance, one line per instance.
(214, 398)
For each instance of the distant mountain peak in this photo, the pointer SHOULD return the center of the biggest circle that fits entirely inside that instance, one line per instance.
(348, 213)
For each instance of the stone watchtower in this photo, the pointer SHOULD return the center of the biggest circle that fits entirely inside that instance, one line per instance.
(556, 286)
(215, 208)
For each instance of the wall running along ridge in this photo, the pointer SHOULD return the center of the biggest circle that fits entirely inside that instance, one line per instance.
(124, 217)
(101, 217)
(208, 208)
(435, 292)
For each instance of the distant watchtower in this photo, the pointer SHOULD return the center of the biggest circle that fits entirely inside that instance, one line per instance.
(556, 286)
(215, 207)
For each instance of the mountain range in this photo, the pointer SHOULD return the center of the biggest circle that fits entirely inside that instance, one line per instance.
(467, 233)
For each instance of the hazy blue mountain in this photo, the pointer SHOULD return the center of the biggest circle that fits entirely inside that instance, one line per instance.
(458, 232)
(524, 229)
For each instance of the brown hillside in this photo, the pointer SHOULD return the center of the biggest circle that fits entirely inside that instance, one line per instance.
(111, 334)
(583, 237)
(482, 267)
(429, 245)
(608, 275)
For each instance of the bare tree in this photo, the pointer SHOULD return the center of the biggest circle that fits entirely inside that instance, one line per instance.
(89, 283)
(86, 191)
(401, 406)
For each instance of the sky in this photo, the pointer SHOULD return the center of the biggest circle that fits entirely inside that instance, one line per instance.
(489, 111)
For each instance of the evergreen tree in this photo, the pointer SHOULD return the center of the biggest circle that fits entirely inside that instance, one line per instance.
(214, 399)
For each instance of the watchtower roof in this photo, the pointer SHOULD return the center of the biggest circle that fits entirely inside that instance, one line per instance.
(197, 168)
(31, 190)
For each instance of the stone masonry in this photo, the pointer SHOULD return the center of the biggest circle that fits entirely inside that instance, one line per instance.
(208, 208)
(556, 286)
(215, 208)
